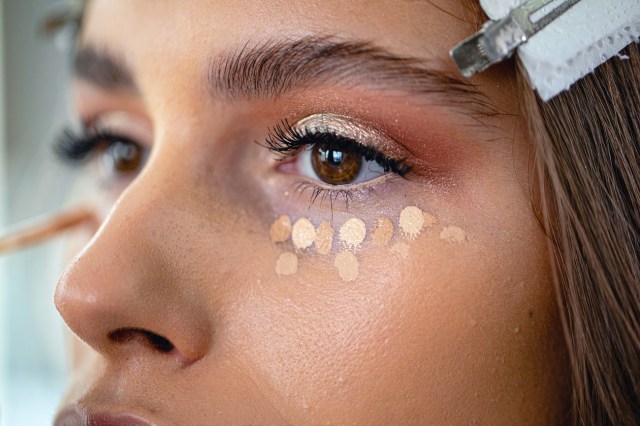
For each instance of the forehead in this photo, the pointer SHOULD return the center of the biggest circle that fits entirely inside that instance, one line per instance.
(427, 28)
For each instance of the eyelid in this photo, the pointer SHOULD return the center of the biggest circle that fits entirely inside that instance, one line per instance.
(365, 135)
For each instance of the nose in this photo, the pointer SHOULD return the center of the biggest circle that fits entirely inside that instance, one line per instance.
(129, 292)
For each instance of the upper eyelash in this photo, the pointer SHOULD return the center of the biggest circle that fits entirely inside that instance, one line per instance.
(287, 141)
(76, 147)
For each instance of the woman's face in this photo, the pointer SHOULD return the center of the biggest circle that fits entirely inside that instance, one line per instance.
(209, 120)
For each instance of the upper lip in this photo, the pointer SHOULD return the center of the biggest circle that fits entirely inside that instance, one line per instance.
(75, 415)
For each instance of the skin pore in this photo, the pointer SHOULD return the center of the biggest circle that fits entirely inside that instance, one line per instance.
(180, 315)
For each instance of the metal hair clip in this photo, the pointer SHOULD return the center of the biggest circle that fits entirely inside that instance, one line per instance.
(498, 40)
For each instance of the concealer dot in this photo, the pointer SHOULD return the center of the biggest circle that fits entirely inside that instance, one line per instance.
(401, 249)
(287, 264)
(453, 234)
(412, 220)
(352, 233)
(429, 220)
(347, 264)
(383, 232)
(303, 234)
(324, 238)
(280, 230)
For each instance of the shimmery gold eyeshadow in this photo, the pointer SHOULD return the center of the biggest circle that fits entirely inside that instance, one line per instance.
(324, 238)
(287, 264)
(401, 249)
(352, 233)
(347, 265)
(453, 234)
(280, 230)
(383, 232)
(303, 234)
(412, 220)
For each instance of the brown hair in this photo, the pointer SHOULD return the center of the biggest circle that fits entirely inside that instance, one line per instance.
(587, 146)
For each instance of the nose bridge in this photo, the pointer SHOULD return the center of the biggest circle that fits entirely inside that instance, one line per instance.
(129, 282)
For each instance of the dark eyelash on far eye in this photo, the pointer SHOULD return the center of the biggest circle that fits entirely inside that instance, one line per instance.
(78, 147)
(287, 141)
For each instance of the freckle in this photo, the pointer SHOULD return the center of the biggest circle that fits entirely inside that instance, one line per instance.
(383, 232)
(303, 234)
(347, 264)
(400, 249)
(324, 238)
(352, 233)
(411, 222)
(287, 264)
(453, 234)
(280, 230)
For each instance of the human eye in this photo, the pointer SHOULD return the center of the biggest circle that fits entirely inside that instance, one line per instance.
(116, 155)
(335, 153)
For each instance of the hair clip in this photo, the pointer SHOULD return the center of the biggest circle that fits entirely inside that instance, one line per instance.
(498, 40)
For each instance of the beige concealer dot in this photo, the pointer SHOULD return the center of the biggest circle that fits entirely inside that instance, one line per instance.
(347, 265)
(287, 264)
(429, 220)
(411, 222)
(303, 234)
(352, 233)
(401, 249)
(383, 232)
(453, 234)
(324, 238)
(280, 230)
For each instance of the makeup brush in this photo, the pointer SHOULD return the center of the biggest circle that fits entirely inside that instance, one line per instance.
(41, 229)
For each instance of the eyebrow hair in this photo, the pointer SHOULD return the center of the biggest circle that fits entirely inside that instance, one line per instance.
(273, 68)
(103, 69)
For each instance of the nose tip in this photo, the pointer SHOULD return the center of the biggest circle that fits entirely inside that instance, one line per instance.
(119, 307)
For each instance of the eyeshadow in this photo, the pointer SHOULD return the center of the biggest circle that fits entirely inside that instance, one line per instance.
(303, 234)
(280, 230)
(453, 234)
(287, 264)
(324, 238)
(412, 220)
(347, 265)
(383, 232)
(352, 233)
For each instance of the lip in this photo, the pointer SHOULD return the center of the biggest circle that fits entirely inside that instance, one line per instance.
(76, 416)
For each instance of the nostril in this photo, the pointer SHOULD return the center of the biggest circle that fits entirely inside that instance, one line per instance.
(157, 342)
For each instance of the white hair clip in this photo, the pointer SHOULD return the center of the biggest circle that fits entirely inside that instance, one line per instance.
(558, 41)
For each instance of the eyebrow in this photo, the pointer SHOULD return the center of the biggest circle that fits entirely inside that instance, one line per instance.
(273, 68)
(103, 69)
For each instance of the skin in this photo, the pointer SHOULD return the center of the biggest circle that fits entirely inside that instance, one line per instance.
(453, 334)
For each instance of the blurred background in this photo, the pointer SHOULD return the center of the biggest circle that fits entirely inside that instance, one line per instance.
(33, 78)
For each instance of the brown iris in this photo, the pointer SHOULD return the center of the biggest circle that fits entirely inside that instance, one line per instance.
(334, 165)
(124, 157)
